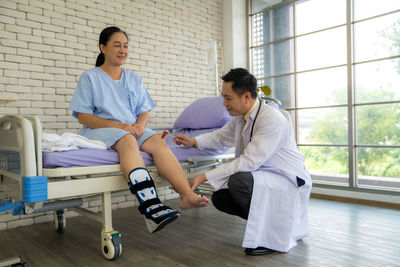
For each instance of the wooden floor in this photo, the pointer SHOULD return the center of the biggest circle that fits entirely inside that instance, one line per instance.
(340, 235)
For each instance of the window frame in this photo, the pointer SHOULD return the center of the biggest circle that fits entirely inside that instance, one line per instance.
(352, 146)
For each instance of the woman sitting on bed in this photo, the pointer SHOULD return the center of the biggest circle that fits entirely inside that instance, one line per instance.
(113, 105)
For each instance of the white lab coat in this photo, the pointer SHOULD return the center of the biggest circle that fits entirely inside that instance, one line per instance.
(278, 210)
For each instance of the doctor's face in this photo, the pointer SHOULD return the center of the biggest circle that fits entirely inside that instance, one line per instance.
(116, 49)
(236, 105)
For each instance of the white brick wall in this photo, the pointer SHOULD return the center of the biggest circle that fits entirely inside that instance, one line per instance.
(46, 44)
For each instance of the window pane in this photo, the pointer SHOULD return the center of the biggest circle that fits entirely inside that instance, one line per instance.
(378, 124)
(322, 87)
(377, 38)
(260, 68)
(328, 164)
(282, 89)
(323, 126)
(273, 59)
(260, 29)
(369, 8)
(379, 167)
(322, 49)
(258, 5)
(313, 15)
(282, 26)
(266, 30)
(377, 81)
(282, 57)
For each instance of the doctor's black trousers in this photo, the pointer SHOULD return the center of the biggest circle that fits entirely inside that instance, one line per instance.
(236, 199)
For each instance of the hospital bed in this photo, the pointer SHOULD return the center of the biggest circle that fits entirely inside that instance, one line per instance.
(56, 181)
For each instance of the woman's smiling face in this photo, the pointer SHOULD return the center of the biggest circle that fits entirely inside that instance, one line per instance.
(116, 49)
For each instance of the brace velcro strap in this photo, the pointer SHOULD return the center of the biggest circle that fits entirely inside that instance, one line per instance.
(142, 185)
(142, 207)
(158, 220)
(154, 211)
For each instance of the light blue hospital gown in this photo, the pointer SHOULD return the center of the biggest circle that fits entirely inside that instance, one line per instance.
(96, 93)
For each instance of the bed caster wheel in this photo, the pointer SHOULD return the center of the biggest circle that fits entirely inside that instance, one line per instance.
(13, 262)
(59, 221)
(111, 244)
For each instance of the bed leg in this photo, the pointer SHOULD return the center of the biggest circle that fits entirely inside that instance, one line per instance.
(107, 211)
(110, 240)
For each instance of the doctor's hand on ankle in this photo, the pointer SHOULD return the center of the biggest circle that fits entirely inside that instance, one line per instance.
(197, 180)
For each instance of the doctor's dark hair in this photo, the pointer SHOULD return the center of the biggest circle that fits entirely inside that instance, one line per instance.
(242, 81)
(103, 39)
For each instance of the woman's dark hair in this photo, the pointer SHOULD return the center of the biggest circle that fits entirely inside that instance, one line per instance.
(103, 39)
(242, 81)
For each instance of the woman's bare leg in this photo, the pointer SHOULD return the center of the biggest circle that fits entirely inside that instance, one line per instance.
(169, 167)
(156, 214)
(129, 154)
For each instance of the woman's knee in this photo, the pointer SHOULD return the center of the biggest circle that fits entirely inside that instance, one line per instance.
(153, 144)
(128, 141)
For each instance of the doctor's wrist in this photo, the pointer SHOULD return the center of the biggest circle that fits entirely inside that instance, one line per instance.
(195, 143)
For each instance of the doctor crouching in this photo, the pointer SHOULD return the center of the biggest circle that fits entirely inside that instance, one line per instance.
(267, 183)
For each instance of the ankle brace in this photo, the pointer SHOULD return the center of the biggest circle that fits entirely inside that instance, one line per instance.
(142, 186)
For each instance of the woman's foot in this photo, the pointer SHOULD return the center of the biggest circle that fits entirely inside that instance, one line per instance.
(193, 201)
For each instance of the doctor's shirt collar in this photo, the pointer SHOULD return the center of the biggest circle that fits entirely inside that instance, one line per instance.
(247, 115)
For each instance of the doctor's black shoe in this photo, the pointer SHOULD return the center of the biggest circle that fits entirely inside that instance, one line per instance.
(258, 251)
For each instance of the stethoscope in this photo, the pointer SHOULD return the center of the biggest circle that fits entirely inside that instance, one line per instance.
(255, 118)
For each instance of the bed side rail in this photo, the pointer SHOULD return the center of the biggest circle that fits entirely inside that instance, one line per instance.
(204, 162)
(37, 134)
(17, 147)
(197, 159)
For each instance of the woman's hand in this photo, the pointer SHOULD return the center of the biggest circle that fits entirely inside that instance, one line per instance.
(137, 129)
(181, 139)
(127, 127)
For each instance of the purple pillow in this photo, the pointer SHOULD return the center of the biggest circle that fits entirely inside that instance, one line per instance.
(203, 113)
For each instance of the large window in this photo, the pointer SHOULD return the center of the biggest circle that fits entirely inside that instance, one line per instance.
(335, 66)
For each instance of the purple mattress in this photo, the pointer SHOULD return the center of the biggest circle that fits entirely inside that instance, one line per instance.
(96, 157)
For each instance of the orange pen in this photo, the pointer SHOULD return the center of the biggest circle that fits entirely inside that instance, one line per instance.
(164, 134)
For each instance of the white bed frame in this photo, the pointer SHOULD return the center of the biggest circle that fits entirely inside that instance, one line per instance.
(67, 186)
